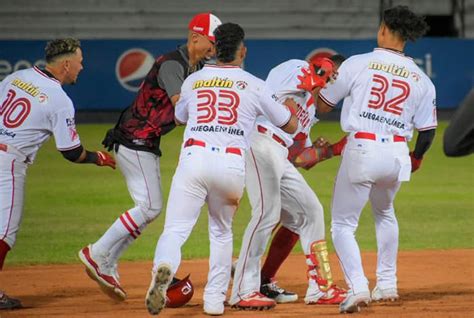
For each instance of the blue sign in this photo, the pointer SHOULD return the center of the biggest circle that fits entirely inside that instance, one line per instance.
(113, 69)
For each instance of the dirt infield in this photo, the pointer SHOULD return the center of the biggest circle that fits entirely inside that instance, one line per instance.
(431, 284)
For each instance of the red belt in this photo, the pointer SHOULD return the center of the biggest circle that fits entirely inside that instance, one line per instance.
(264, 130)
(371, 136)
(194, 142)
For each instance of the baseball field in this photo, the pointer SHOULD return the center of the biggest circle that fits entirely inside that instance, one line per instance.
(68, 206)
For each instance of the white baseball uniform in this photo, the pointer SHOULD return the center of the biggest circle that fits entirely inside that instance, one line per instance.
(219, 105)
(33, 106)
(277, 191)
(386, 95)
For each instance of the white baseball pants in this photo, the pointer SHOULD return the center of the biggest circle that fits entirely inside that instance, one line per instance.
(277, 193)
(204, 175)
(370, 170)
(12, 186)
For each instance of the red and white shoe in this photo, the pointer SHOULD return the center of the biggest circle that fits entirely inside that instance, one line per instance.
(333, 296)
(255, 301)
(96, 267)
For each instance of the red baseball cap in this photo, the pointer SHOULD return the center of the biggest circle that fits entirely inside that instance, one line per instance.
(205, 24)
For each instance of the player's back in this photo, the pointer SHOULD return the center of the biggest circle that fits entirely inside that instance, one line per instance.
(386, 88)
(29, 101)
(223, 105)
(283, 80)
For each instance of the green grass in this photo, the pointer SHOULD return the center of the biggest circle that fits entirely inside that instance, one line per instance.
(69, 205)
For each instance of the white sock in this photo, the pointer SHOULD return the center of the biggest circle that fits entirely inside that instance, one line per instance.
(127, 225)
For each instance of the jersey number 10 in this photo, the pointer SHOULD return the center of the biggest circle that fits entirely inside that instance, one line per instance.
(378, 92)
(226, 111)
(14, 111)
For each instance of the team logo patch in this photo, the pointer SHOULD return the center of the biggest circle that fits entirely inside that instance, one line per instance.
(73, 133)
(132, 67)
(416, 77)
(70, 122)
(241, 85)
(43, 98)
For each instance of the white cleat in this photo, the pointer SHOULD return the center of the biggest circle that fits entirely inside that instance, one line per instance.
(354, 302)
(156, 296)
(214, 309)
(388, 294)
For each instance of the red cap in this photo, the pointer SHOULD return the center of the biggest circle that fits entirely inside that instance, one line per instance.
(205, 24)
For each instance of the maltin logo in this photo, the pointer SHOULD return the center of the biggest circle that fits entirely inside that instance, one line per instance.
(132, 67)
(319, 53)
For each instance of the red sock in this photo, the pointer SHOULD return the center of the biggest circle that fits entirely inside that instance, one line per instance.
(282, 244)
(4, 248)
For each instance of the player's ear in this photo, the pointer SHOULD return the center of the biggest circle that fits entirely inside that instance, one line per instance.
(243, 52)
(194, 37)
(66, 64)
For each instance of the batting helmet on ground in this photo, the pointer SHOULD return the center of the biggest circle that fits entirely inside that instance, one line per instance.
(179, 293)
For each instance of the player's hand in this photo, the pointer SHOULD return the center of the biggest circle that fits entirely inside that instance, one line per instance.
(415, 163)
(105, 159)
(307, 158)
(316, 75)
(339, 146)
(321, 142)
(291, 105)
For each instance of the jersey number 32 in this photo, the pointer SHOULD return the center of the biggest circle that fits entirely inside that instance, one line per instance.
(380, 88)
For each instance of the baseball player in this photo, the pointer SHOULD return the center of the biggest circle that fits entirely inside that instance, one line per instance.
(386, 95)
(136, 141)
(283, 241)
(279, 193)
(33, 107)
(219, 104)
(458, 139)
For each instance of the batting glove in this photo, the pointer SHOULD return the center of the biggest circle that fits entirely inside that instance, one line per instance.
(415, 162)
(316, 76)
(105, 159)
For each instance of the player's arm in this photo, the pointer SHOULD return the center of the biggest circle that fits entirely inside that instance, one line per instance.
(458, 137)
(67, 139)
(425, 122)
(281, 115)
(174, 99)
(81, 155)
(170, 78)
(319, 151)
(181, 109)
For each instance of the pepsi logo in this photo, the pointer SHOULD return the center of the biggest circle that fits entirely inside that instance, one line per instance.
(132, 67)
(319, 53)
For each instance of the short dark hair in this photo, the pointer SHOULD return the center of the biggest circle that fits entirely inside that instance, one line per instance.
(229, 36)
(405, 23)
(60, 47)
(337, 59)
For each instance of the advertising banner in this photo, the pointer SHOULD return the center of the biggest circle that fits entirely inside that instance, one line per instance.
(113, 69)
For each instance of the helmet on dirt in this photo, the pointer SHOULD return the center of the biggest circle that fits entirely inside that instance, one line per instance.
(179, 293)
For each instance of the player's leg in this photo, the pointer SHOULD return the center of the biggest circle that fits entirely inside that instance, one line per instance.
(264, 167)
(303, 214)
(386, 229)
(187, 196)
(223, 200)
(142, 175)
(281, 246)
(12, 182)
(349, 198)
